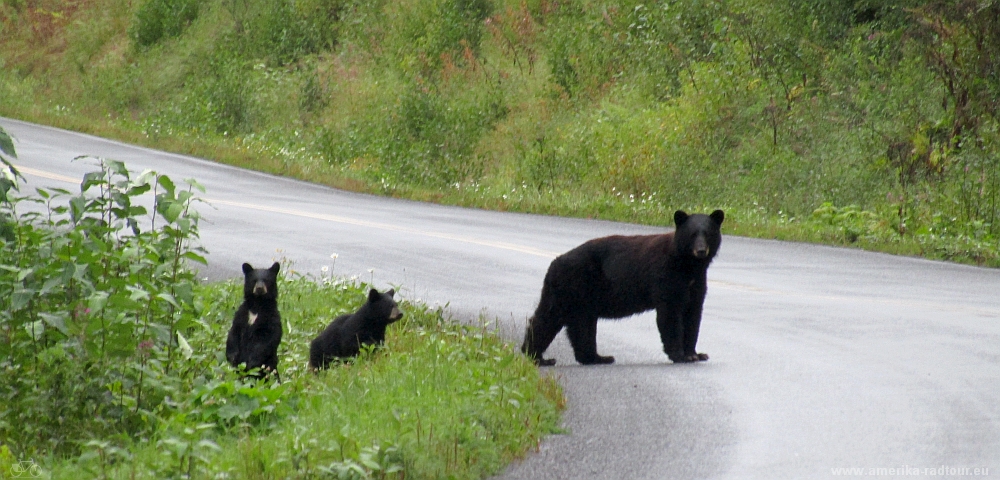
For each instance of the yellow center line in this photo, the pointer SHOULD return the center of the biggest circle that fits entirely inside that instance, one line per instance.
(387, 226)
(44, 174)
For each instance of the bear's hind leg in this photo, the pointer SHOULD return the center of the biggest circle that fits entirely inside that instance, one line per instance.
(582, 333)
(538, 335)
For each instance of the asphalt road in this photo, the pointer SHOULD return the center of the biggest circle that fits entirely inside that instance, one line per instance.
(821, 358)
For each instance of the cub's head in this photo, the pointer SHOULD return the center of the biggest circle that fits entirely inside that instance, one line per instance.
(382, 308)
(261, 283)
(698, 235)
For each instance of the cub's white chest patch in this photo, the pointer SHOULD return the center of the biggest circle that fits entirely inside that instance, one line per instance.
(252, 317)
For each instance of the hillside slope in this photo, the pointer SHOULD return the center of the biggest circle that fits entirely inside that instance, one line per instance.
(862, 122)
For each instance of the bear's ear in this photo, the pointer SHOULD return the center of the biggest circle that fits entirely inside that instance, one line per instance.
(680, 217)
(274, 268)
(391, 292)
(718, 216)
(373, 295)
(247, 268)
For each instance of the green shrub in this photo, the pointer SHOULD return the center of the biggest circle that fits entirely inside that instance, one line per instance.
(282, 31)
(96, 292)
(159, 19)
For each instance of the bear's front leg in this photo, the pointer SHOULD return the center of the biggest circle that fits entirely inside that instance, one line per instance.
(668, 321)
(692, 322)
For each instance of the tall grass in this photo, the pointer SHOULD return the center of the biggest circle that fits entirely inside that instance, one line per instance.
(769, 110)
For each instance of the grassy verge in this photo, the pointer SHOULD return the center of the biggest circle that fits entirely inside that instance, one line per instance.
(440, 400)
(845, 226)
(829, 225)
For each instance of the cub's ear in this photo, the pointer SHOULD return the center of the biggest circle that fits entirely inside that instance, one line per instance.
(718, 216)
(373, 295)
(680, 217)
(391, 292)
(274, 268)
(247, 268)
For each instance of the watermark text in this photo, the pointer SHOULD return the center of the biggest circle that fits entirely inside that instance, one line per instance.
(908, 471)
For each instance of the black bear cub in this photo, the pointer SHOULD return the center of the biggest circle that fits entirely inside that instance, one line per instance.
(256, 331)
(347, 333)
(619, 276)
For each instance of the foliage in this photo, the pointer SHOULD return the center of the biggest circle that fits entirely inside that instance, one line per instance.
(281, 31)
(158, 19)
(768, 108)
(97, 290)
(9, 175)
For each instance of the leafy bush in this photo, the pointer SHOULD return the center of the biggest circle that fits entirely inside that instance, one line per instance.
(97, 292)
(282, 31)
(159, 19)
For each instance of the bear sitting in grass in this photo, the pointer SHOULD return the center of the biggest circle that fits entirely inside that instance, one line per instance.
(619, 276)
(256, 330)
(344, 336)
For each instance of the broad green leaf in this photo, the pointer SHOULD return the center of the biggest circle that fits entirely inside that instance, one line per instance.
(90, 179)
(116, 166)
(97, 301)
(138, 190)
(169, 209)
(23, 273)
(168, 298)
(145, 178)
(166, 183)
(194, 183)
(194, 257)
(138, 294)
(50, 284)
(20, 298)
(56, 321)
(7, 144)
(35, 329)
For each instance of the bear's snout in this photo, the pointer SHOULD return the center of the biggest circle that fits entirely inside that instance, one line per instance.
(396, 314)
(260, 288)
(700, 248)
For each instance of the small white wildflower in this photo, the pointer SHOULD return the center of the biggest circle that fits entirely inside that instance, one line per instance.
(325, 269)
(334, 256)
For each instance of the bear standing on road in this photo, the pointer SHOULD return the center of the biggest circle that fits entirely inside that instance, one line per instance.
(256, 331)
(619, 276)
(347, 333)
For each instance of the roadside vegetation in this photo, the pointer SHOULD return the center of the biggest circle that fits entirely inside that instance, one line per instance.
(865, 123)
(112, 359)
(859, 123)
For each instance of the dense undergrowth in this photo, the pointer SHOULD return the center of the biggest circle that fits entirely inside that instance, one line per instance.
(854, 122)
(112, 359)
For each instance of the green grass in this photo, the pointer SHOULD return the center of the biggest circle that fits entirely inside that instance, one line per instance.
(439, 400)
(621, 111)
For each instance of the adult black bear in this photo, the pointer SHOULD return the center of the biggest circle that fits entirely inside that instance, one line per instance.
(347, 333)
(619, 276)
(256, 331)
